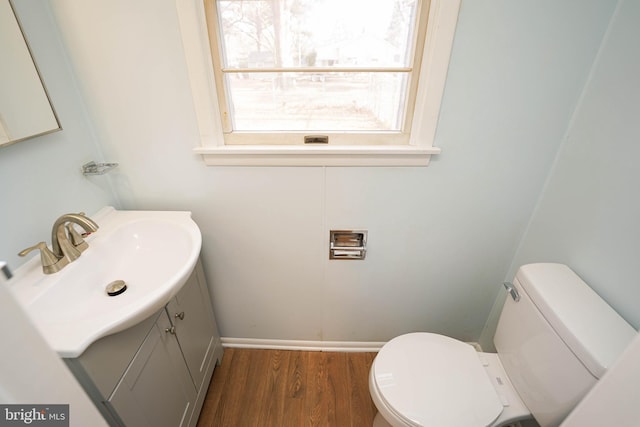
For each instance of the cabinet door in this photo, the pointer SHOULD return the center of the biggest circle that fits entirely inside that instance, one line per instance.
(155, 390)
(192, 314)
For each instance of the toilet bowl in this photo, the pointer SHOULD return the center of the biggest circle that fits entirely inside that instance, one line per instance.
(424, 379)
(555, 338)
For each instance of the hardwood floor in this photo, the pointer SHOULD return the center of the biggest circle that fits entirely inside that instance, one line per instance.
(281, 388)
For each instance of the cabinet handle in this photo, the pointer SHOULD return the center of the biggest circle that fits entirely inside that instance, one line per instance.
(179, 315)
(171, 330)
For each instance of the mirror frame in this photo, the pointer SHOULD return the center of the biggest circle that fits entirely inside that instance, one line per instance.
(36, 87)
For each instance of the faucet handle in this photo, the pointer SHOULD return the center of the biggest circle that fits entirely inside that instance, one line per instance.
(50, 262)
(76, 238)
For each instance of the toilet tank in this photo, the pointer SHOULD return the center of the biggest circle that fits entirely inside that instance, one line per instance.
(557, 340)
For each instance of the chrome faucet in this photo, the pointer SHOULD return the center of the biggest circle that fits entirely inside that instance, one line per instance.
(66, 243)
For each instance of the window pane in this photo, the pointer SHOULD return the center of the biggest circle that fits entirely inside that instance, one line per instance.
(364, 101)
(317, 33)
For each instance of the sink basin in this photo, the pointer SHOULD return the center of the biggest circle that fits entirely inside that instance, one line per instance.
(153, 252)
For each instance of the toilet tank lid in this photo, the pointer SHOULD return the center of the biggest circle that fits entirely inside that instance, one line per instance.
(593, 331)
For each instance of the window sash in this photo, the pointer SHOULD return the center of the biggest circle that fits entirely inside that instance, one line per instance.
(233, 136)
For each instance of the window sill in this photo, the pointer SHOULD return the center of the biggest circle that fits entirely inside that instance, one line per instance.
(342, 155)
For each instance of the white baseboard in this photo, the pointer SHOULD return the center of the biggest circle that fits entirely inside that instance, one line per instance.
(369, 346)
(301, 345)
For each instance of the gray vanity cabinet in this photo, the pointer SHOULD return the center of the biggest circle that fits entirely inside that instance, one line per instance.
(156, 373)
(156, 389)
(191, 316)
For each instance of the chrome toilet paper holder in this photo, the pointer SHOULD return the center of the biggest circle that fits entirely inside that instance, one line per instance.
(347, 244)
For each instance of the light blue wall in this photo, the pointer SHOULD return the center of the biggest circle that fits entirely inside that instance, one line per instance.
(441, 238)
(589, 214)
(40, 177)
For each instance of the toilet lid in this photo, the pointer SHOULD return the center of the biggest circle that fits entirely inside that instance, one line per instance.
(433, 380)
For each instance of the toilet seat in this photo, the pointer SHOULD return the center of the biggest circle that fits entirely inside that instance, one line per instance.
(426, 379)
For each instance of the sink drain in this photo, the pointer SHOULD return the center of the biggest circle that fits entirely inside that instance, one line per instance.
(116, 288)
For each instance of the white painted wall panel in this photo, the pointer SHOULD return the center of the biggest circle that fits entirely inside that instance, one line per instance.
(423, 268)
(263, 242)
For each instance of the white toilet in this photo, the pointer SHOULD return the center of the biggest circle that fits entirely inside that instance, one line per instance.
(553, 344)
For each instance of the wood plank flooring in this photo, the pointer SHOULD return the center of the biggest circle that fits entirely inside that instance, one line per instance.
(280, 388)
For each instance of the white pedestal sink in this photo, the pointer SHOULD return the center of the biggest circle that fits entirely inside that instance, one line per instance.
(153, 252)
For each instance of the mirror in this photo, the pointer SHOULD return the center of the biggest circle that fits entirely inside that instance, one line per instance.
(25, 110)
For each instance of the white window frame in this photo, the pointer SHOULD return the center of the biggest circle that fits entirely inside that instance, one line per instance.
(442, 19)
